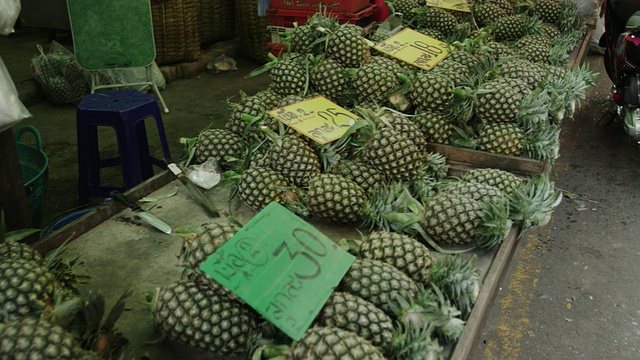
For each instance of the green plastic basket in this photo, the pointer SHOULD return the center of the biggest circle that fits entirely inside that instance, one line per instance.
(34, 165)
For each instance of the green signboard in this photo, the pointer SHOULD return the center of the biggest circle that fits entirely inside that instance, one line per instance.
(281, 266)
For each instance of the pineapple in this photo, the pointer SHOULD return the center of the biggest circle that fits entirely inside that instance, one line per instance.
(26, 287)
(474, 190)
(377, 282)
(534, 48)
(335, 198)
(301, 38)
(393, 153)
(293, 158)
(403, 252)
(454, 219)
(373, 82)
(521, 69)
(436, 18)
(501, 138)
(258, 186)
(509, 28)
(201, 317)
(328, 78)
(454, 70)
(348, 47)
(11, 250)
(533, 204)
(549, 11)
(405, 8)
(333, 343)
(367, 177)
(438, 35)
(403, 125)
(487, 13)
(35, 338)
(435, 126)
(269, 97)
(503, 180)
(431, 91)
(290, 76)
(201, 244)
(500, 100)
(218, 144)
(251, 106)
(352, 313)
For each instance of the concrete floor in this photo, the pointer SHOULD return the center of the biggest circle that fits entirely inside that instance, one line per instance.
(571, 288)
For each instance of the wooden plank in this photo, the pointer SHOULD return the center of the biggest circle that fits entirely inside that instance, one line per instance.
(469, 158)
(475, 323)
(577, 55)
(101, 214)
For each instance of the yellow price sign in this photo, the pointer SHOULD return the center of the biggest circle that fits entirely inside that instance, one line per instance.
(415, 48)
(459, 5)
(317, 118)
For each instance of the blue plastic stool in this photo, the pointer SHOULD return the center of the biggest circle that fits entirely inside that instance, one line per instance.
(124, 111)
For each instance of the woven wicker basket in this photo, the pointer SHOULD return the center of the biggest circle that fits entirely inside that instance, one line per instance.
(216, 20)
(176, 29)
(252, 30)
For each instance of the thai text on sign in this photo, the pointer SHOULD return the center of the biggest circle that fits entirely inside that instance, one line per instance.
(415, 48)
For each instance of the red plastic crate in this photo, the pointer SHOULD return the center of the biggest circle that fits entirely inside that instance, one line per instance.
(286, 18)
(314, 5)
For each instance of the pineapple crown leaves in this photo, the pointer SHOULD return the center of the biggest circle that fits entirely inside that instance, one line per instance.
(542, 142)
(533, 109)
(533, 203)
(493, 223)
(410, 342)
(458, 280)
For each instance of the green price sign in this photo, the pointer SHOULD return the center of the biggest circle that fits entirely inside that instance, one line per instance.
(282, 267)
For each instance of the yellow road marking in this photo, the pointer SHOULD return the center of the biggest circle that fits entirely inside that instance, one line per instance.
(513, 323)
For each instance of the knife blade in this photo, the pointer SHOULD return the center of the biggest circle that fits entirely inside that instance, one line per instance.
(193, 189)
(140, 212)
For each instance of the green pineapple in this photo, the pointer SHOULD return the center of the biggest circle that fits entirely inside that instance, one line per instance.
(486, 14)
(393, 153)
(436, 18)
(27, 287)
(494, 50)
(431, 91)
(550, 31)
(436, 127)
(290, 76)
(201, 317)
(549, 11)
(248, 106)
(352, 313)
(201, 244)
(521, 69)
(373, 82)
(269, 98)
(453, 70)
(402, 251)
(36, 338)
(329, 78)
(347, 46)
(500, 100)
(366, 176)
(302, 38)
(505, 5)
(293, 158)
(377, 282)
(501, 138)
(218, 144)
(474, 190)
(333, 343)
(533, 203)
(510, 27)
(438, 35)
(453, 219)
(503, 180)
(335, 198)
(405, 8)
(403, 125)
(258, 186)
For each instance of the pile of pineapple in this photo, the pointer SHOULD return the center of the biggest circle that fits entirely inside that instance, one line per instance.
(43, 314)
(504, 88)
(398, 300)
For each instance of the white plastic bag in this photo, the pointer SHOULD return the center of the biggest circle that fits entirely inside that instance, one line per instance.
(205, 175)
(132, 75)
(12, 110)
(9, 11)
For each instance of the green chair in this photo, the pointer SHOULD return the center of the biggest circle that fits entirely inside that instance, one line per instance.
(113, 34)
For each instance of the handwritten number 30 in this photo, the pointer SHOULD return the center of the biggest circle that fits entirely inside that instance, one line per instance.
(305, 253)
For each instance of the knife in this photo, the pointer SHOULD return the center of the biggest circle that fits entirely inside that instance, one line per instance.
(193, 189)
(146, 216)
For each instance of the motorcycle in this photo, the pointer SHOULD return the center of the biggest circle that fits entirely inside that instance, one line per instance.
(621, 41)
